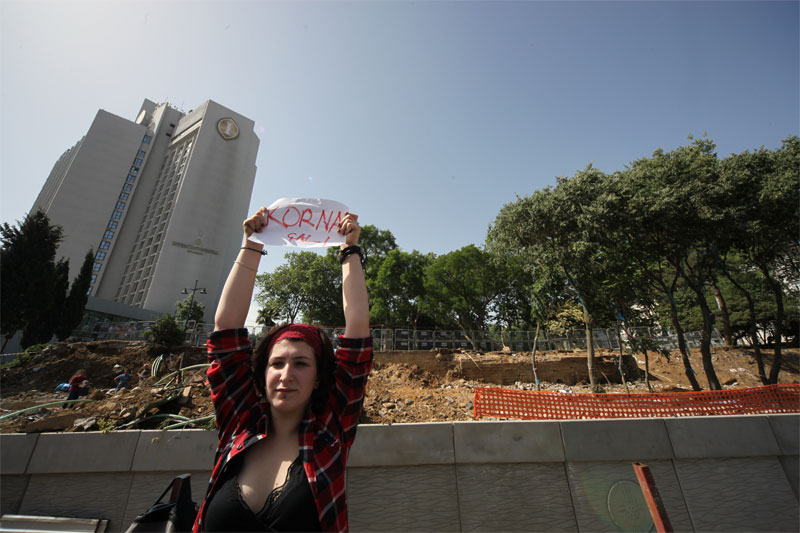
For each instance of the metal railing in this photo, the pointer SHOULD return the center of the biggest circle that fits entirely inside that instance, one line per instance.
(387, 339)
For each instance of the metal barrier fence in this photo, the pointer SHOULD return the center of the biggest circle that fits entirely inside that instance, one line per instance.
(386, 339)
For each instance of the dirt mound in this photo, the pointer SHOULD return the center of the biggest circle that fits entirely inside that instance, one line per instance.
(423, 386)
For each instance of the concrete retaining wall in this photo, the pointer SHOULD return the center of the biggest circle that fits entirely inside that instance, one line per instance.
(713, 473)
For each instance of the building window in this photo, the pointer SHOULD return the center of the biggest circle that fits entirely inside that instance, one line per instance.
(100, 256)
(134, 170)
(112, 224)
(104, 245)
(116, 214)
(96, 267)
(108, 235)
(123, 196)
(131, 178)
(140, 154)
(146, 139)
(94, 278)
(137, 162)
(127, 187)
(120, 205)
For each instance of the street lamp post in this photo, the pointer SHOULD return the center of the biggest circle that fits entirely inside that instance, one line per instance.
(191, 303)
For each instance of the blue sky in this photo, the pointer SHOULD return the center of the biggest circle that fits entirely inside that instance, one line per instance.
(424, 117)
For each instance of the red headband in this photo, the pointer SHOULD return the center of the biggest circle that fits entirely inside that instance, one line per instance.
(310, 334)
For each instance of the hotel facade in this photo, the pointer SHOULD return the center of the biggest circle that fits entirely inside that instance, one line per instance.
(160, 200)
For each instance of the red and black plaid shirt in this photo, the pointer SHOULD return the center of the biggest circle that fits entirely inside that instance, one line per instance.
(325, 440)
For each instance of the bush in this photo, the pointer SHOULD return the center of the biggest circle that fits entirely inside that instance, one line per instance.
(166, 331)
(26, 356)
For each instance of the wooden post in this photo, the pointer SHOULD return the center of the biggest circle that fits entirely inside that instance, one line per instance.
(653, 498)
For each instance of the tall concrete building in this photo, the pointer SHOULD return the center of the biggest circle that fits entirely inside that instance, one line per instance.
(159, 199)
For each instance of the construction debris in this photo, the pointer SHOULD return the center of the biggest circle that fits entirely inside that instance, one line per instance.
(404, 386)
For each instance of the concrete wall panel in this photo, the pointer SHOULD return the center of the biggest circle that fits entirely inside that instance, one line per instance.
(738, 494)
(147, 486)
(181, 451)
(722, 436)
(450, 476)
(791, 467)
(83, 452)
(615, 440)
(402, 445)
(12, 489)
(607, 496)
(515, 497)
(79, 496)
(507, 442)
(786, 429)
(15, 451)
(410, 498)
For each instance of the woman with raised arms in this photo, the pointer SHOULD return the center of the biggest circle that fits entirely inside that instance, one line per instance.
(287, 411)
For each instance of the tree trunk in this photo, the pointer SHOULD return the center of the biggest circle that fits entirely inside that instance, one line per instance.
(691, 375)
(470, 338)
(619, 361)
(778, 357)
(751, 311)
(727, 332)
(647, 371)
(705, 341)
(587, 320)
(687, 363)
(533, 356)
(708, 323)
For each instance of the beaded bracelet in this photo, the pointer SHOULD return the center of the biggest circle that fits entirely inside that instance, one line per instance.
(350, 250)
(256, 250)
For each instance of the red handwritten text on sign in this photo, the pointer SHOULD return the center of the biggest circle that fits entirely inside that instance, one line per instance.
(303, 222)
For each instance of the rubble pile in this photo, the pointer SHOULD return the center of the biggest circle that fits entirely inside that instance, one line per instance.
(404, 386)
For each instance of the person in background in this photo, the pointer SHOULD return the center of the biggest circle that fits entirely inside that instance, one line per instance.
(78, 386)
(144, 373)
(123, 380)
(287, 420)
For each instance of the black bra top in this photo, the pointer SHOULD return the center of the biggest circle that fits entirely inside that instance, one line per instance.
(289, 507)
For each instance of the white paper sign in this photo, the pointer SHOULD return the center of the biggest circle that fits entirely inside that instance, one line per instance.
(302, 223)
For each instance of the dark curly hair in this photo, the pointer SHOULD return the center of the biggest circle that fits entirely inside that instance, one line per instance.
(325, 366)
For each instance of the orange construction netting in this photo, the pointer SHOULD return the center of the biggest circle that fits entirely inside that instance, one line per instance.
(534, 405)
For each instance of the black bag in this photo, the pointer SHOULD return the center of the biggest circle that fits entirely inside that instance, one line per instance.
(175, 516)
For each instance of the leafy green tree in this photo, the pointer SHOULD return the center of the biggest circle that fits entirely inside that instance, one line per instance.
(307, 284)
(30, 278)
(375, 244)
(461, 288)
(764, 212)
(59, 287)
(166, 331)
(560, 229)
(189, 309)
(398, 288)
(324, 293)
(645, 234)
(264, 318)
(76, 299)
(567, 316)
(688, 196)
(513, 307)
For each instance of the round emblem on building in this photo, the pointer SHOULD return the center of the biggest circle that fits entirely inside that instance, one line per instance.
(228, 128)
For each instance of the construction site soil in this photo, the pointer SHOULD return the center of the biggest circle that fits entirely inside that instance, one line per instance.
(420, 386)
